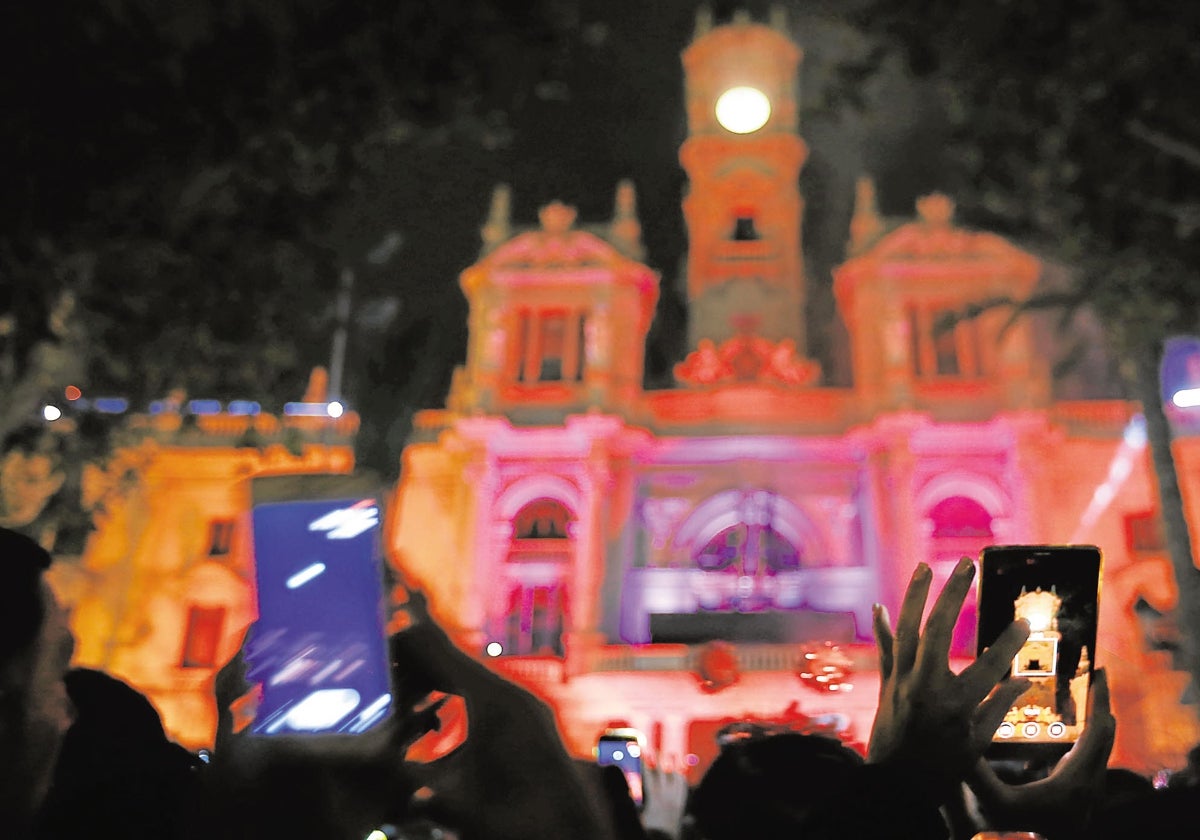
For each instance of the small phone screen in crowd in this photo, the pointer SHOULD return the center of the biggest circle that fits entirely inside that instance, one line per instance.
(623, 748)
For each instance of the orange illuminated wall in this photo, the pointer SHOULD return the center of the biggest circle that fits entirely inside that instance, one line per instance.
(164, 590)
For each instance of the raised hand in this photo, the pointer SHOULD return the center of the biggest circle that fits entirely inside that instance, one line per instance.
(512, 777)
(932, 722)
(666, 795)
(1058, 805)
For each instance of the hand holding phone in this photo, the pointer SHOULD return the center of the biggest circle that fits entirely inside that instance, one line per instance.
(1056, 590)
(623, 748)
(1059, 804)
(318, 654)
(541, 796)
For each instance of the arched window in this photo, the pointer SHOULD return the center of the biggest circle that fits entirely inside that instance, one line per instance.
(749, 549)
(535, 580)
(959, 527)
(749, 557)
(544, 519)
(960, 518)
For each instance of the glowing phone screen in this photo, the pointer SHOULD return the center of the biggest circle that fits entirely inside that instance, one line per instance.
(625, 753)
(1055, 589)
(318, 651)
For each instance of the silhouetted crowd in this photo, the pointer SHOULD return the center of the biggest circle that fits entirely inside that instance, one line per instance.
(84, 755)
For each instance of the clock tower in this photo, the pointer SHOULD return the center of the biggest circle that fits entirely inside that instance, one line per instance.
(742, 155)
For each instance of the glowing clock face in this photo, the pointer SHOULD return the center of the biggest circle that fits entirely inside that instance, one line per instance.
(743, 110)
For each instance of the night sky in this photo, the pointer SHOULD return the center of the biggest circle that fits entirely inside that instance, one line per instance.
(598, 101)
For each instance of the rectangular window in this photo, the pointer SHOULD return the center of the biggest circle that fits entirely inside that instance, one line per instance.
(945, 343)
(534, 623)
(1143, 533)
(220, 537)
(580, 346)
(971, 347)
(202, 637)
(554, 340)
(550, 346)
(518, 345)
(744, 229)
(915, 341)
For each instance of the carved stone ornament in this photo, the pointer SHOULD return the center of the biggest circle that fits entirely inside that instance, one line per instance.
(556, 217)
(717, 667)
(747, 358)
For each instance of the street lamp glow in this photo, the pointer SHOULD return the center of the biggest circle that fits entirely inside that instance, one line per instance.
(743, 110)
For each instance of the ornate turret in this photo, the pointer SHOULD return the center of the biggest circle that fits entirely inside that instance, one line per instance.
(743, 156)
(920, 302)
(498, 227)
(866, 225)
(626, 231)
(558, 314)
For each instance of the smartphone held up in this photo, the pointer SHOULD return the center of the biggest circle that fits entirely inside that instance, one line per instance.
(1056, 589)
(318, 656)
(624, 747)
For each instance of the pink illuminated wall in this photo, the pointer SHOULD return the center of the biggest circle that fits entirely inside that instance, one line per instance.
(594, 539)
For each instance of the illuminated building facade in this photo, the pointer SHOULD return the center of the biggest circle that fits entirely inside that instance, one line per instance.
(667, 559)
(672, 559)
(164, 591)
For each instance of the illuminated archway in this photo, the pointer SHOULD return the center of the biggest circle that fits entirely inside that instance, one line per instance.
(534, 487)
(731, 508)
(749, 551)
(530, 604)
(749, 565)
(982, 489)
(957, 527)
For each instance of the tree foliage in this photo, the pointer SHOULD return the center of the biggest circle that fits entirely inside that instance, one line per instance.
(1070, 120)
(186, 182)
(197, 174)
(1073, 126)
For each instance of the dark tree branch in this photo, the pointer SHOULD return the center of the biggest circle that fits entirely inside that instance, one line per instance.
(1189, 153)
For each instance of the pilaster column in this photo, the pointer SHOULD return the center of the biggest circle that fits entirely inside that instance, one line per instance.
(898, 365)
(588, 565)
(476, 573)
(1025, 481)
(893, 466)
(598, 340)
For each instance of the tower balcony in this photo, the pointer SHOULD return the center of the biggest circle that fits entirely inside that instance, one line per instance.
(743, 259)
